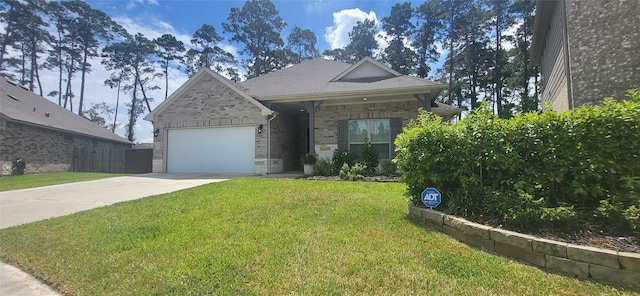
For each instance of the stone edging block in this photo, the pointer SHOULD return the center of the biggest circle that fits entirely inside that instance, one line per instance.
(620, 268)
(597, 256)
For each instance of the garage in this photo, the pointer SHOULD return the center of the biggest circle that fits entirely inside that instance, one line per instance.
(225, 150)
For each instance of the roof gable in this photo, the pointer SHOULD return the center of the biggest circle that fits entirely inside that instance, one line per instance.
(366, 69)
(192, 81)
(24, 106)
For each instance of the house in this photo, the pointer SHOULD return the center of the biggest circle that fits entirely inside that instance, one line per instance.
(586, 50)
(52, 139)
(266, 124)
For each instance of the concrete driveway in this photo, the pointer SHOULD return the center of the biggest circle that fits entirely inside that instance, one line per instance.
(29, 205)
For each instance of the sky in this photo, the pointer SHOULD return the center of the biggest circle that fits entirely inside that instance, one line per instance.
(330, 20)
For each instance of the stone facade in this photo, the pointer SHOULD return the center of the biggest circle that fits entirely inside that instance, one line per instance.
(604, 47)
(209, 103)
(327, 120)
(590, 51)
(47, 150)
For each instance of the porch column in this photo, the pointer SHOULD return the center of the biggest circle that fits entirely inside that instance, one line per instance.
(311, 107)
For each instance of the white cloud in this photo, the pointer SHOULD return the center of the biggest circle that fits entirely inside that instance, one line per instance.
(133, 3)
(343, 21)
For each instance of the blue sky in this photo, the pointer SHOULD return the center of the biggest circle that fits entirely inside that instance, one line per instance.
(182, 18)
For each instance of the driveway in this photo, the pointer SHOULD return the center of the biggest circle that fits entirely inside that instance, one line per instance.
(29, 205)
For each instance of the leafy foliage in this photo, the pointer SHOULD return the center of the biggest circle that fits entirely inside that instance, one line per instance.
(369, 158)
(389, 168)
(341, 157)
(532, 169)
(353, 173)
(323, 167)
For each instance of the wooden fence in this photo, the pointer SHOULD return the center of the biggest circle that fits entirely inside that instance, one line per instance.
(98, 159)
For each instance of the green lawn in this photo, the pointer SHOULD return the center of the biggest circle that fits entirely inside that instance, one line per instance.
(268, 237)
(37, 180)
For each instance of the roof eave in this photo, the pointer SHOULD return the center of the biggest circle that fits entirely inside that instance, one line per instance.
(543, 15)
(436, 89)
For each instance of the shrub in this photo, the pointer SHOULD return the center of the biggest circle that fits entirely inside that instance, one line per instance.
(323, 167)
(369, 158)
(532, 169)
(354, 173)
(623, 209)
(389, 168)
(340, 157)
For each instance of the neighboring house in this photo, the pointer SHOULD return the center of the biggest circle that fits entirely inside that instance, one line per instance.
(586, 49)
(52, 139)
(266, 124)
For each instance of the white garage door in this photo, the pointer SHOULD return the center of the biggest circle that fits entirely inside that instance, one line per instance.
(211, 150)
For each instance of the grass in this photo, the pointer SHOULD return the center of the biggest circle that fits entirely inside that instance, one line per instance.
(37, 180)
(268, 237)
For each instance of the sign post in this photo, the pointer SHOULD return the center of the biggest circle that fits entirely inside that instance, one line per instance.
(431, 197)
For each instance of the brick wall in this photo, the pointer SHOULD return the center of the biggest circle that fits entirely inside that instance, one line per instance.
(208, 103)
(327, 119)
(44, 150)
(604, 42)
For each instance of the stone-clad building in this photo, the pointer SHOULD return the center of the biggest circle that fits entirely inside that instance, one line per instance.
(586, 49)
(266, 124)
(52, 139)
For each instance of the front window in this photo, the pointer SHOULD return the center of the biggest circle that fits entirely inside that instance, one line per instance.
(376, 130)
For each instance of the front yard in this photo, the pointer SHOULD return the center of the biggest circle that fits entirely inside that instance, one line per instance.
(268, 237)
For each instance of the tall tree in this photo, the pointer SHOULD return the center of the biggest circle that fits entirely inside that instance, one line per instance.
(501, 20)
(302, 44)
(134, 57)
(363, 41)
(521, 75)
(399, 28)
(168, 49)
(26, 31)
(208, 53)
(91, 27)
(429, 31)
(257, 26)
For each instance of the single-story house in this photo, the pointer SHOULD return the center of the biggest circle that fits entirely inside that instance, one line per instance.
(266, 124)
(51, 138)
(586, 50)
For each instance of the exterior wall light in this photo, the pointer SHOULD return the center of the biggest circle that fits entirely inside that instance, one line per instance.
(156, 132)
(260, 128)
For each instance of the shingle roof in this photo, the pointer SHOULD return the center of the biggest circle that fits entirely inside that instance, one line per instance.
(21, 105)
(316, 78)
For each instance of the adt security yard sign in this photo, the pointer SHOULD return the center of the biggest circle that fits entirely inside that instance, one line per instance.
(431, 197)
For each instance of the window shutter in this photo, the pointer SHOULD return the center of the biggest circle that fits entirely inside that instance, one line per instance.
(343, 134)
(395, 128)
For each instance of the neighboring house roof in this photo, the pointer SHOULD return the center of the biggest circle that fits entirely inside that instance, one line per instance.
(187, 85)
(326, 79)
(18, 104)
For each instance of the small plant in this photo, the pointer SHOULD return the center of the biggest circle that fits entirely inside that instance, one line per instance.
(369, 158)
(389, 168)
(323, 167)
(354, 173)
(340, 157)
(309, 159)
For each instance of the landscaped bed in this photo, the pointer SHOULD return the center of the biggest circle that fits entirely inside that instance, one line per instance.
(268, 237)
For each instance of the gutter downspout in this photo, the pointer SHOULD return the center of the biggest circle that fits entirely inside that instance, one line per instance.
(275, 114)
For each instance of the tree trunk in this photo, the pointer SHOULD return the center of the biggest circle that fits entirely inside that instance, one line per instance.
(84, 72)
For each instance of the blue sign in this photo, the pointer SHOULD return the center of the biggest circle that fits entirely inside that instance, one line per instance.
(431, 197)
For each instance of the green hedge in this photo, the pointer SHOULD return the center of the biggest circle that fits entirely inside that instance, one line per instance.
(530, 170)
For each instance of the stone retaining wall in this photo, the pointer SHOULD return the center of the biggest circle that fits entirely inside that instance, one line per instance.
(601, 265)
